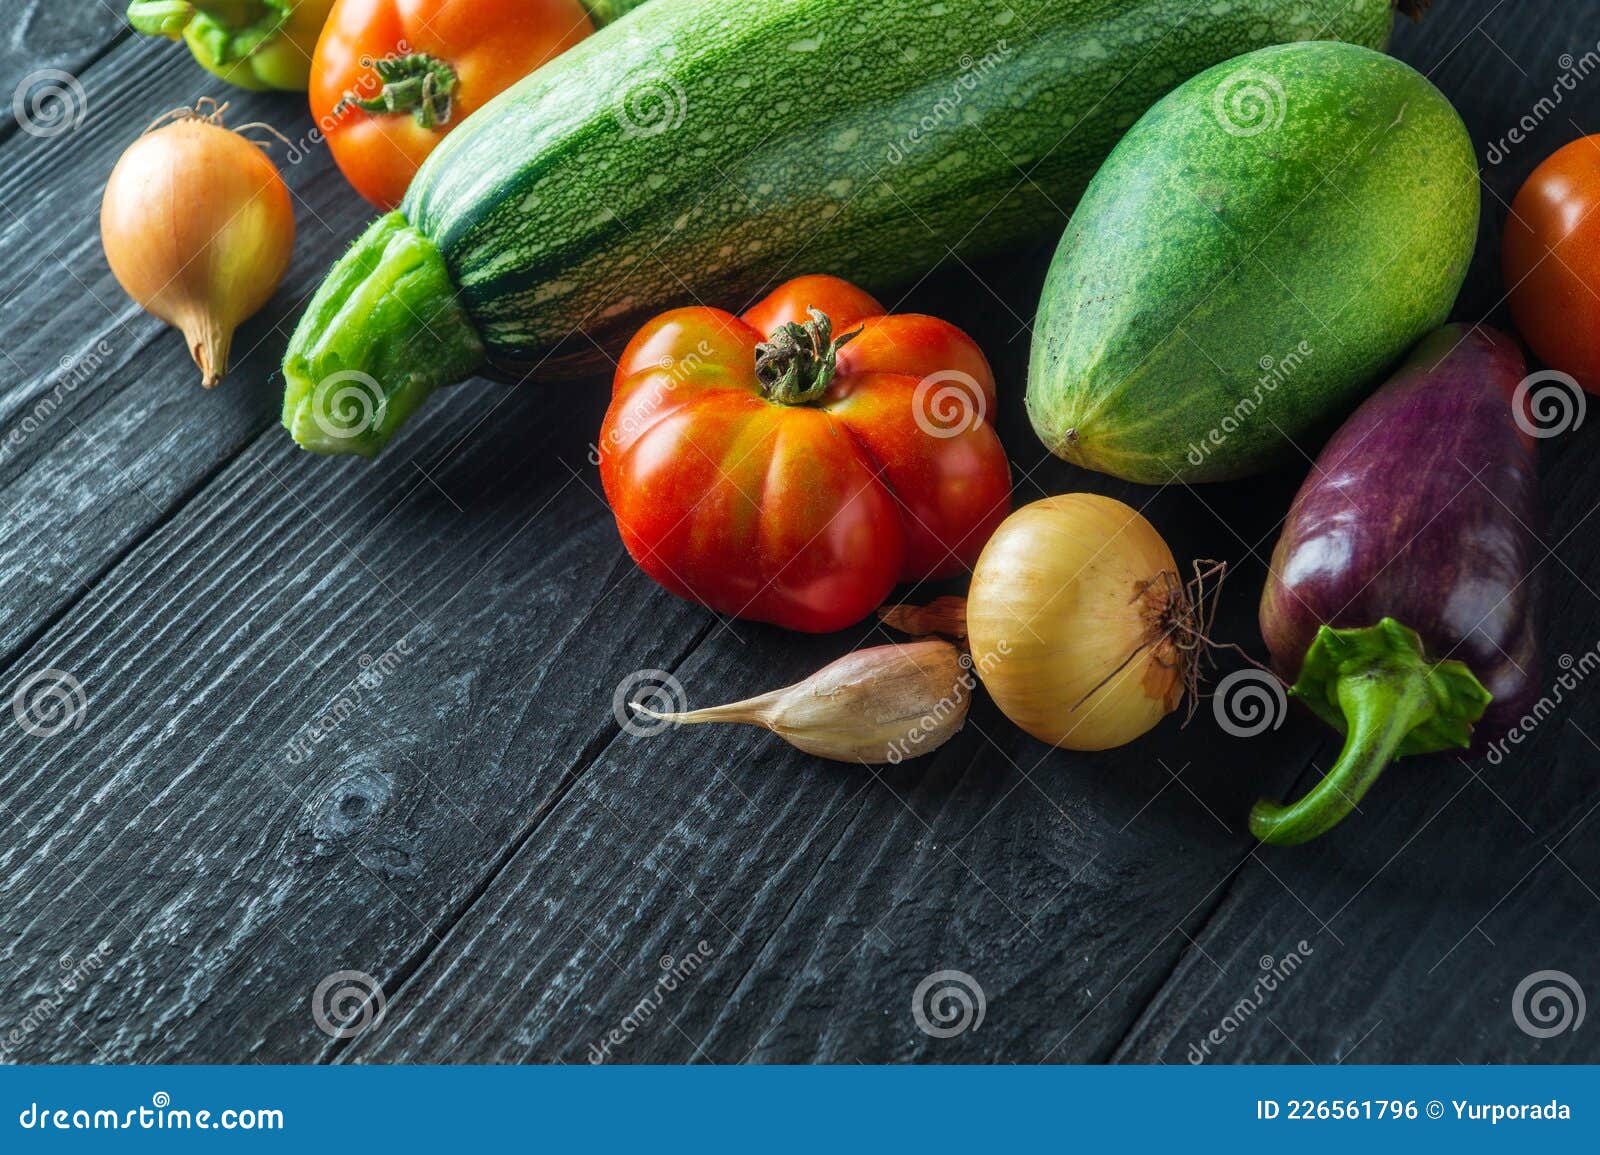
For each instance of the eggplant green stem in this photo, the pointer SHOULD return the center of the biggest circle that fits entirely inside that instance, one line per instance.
(381, 334)
(419, 84)
(1375, 685)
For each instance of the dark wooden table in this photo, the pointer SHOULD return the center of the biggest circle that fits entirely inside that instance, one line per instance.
(347, 717)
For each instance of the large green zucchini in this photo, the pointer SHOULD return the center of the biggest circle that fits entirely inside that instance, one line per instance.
(699, 150)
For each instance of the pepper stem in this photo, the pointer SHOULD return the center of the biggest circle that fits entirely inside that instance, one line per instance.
(796, 365)
(1375, 685)
(419, 84)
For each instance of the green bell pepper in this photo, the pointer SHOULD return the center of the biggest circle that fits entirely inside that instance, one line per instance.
(254, 44)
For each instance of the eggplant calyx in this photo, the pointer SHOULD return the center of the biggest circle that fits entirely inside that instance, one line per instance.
(1376, 687)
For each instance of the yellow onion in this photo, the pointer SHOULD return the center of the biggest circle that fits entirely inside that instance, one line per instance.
(197, 228)
(1077, 622)
(1079, 625)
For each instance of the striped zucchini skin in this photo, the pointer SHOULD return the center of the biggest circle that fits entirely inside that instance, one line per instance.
(701, 150)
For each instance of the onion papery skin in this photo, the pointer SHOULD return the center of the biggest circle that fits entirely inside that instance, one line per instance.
(198, 227)
(1067, 591)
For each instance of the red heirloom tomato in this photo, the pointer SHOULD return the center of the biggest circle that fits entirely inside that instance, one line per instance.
(792, 465)
(1552, 261)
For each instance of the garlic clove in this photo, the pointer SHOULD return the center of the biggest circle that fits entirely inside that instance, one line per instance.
(883, 704)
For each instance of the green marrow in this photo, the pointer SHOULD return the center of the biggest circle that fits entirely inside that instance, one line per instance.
(707, 151)
(1256, 251)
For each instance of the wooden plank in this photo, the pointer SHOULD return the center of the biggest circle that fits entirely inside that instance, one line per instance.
(228, 869)
(44, 35)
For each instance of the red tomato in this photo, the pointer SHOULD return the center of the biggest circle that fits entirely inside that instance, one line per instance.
(801, 492)
(1552, 261)
(466, 51)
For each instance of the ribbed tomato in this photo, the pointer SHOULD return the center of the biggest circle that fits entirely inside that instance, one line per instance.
(793, 464)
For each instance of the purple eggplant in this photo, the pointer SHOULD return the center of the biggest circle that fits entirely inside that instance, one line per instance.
(1399, 601)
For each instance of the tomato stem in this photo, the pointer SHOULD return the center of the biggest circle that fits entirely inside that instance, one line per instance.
(796, 365)
(419, 84)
